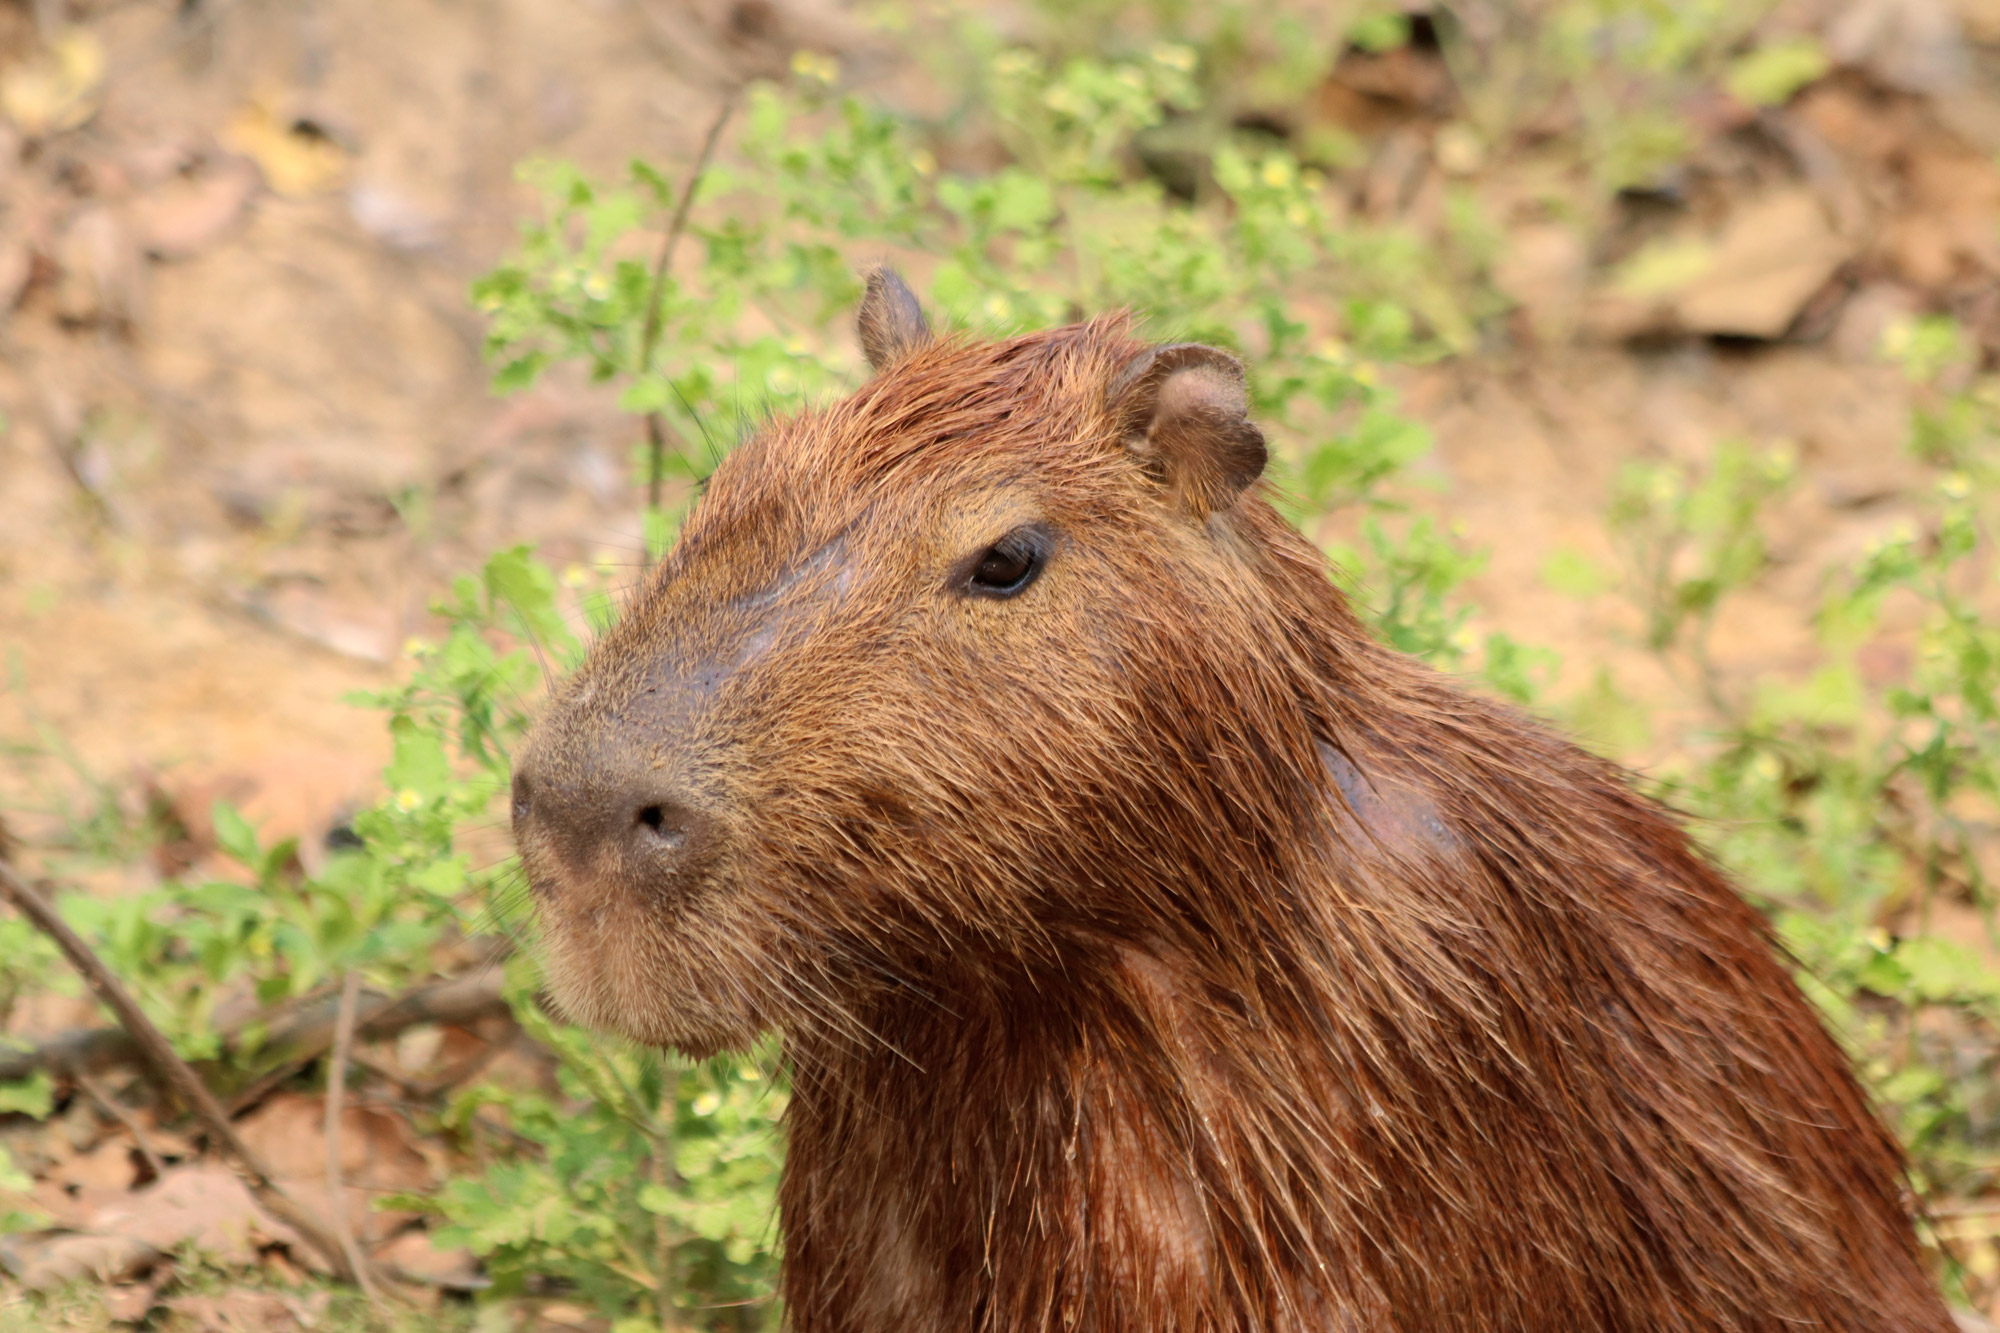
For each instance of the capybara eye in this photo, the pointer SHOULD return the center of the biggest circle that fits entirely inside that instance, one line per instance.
(1010, 564)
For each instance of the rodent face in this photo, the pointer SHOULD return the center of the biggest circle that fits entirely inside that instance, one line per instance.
(901, 656)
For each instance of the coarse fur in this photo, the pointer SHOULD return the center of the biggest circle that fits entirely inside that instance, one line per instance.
(1153, 949)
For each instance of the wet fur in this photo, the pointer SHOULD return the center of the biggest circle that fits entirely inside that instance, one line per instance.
(1157, 950)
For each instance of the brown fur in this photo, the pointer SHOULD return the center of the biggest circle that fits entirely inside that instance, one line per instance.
(1155, 950)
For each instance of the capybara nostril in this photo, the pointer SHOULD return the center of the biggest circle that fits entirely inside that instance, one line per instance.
(523, 797)
(672, 832)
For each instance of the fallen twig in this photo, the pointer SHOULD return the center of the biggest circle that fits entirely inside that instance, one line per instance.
(649, 335)
(459, 1002)
(67, 446)
(109, 1105)
(336, 1087)
(173, 1072)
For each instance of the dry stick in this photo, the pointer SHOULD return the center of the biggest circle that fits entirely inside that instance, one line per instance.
(110, 1107)
(336, 1088)
(173, 1072)
(649, 336)
(299, 1038)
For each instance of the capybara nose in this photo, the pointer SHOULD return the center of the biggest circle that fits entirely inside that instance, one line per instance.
(599, 825)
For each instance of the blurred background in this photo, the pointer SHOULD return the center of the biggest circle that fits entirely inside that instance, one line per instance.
(1633, 359)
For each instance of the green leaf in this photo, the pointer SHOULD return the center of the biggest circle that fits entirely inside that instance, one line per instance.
(1942, 972)
(1770, 75)
(518, 373)
(1571, 572)
(420, 767)
(1607, 719)
(13, 1178)
(1380, 32)
(31, 1096)
(515, 577)
(1832, 696)
(1022, 201)
(235, 837)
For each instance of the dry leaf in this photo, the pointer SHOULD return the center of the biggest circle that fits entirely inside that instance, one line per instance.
(297, 159)
(1915, 45)
(1949, 230)
(1772, 255)
(56, 88)
(414, 1255)
(366, 633)
(378, 1155)
(244, 1311)
(45, 1260)
(1408, 74)
(185, 215)
(99, 279)
(108, 1166)
(1751, 279)
(130, 1305)
(203, 1205)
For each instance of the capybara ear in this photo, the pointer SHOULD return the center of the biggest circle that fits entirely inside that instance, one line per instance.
(892, 323)
(1183, 409)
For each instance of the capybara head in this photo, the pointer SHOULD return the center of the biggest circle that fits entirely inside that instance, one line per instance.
(906, 648)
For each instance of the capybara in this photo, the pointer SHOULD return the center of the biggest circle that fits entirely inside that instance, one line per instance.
(1152, 948)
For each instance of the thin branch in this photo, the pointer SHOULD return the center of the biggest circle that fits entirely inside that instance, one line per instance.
(265, 1084)
(65, 441)
(173, 1073)
(459, 1002)
(336, 1087)
(109, 1105)
(649, 336)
